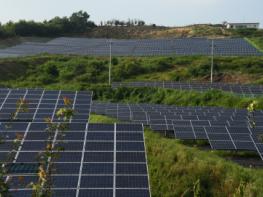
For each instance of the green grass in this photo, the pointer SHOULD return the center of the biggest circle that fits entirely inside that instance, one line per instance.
(59, 70)
(257, 42)
(175, 167)
(94, 118)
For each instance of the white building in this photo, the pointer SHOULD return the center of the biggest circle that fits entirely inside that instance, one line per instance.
(242, 25)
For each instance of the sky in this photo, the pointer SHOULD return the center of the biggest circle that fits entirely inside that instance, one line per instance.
(160, 12)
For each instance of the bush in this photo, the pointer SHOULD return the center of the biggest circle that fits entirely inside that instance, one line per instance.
(52, 70)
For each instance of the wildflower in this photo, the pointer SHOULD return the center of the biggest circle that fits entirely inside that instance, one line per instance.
(42, 174)
(252, 106)
(49, 146)
(67, 101)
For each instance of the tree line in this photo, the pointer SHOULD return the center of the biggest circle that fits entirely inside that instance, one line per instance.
(121, 23)
(77, 23)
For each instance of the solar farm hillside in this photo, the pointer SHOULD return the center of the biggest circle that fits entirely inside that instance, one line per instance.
(108, 117)
(143, 47)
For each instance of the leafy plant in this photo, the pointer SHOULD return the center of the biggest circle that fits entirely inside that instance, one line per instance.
(42, 188)
(21, 107)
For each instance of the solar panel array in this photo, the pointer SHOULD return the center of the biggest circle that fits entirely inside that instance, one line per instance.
(43, 104)
(98, 160)
(142, 47)
(244, 90)
(226, 129)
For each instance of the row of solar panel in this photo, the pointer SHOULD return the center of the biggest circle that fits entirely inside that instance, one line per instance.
(234, 88)
(65, 192)
(228, 129)
(94, 159)
(37, 104)
(97, 159)
(94, 182)
(156, 114)
(186, 46)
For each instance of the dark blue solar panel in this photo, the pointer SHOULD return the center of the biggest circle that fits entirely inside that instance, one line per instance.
(63, 192)
(130, 157)
(129, 127)
(97, 168)
(66, 168)
(185, 136)
(243, 145)
(129, 136)
(96, 192)
(130, 146)
(101, 127)
(16, 182)
(222, 145)
(219, 136)
(33, 146)
(64, 181)
(28, 157)
(21, 193)
(132, 193)
(69, 146)
(100, 136)
(98, 157)
(99, 146)
(96, 182)
(131, 181)
(131, 168)
(68, 157)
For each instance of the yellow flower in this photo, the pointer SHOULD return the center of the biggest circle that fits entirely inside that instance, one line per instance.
(252, 106)
(67, 101)
(42, 174)
(48, 120)
(49, 146)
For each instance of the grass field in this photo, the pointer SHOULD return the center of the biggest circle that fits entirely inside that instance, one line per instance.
(257, 42)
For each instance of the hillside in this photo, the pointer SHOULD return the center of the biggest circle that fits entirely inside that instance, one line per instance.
(176, 168)
(148, 32)
(75, 71)
(158, 32)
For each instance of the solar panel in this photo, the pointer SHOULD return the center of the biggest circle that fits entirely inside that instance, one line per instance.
(224, 131)
(102, 159)
(243, 90)
(36, 105)
(222, 145)
(139, 47)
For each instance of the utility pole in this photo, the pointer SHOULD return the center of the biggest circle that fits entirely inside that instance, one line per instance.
(110, 63)
(212, 61)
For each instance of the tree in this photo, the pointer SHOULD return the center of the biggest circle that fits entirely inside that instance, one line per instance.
(80, 21)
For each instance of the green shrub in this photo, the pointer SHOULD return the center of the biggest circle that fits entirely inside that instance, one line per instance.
(52, 70)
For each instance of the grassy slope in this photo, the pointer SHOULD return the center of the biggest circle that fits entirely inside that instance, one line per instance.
(175, 168)
(158, 32)
(257, 42)
(75, 70)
